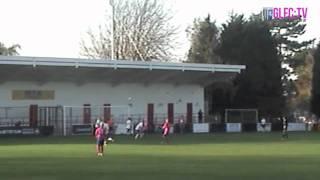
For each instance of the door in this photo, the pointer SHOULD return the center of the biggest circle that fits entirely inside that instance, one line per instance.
(189, 113)
(150, 113)
(33, 115)
(86, 114)
(170, 113)
(107, 112)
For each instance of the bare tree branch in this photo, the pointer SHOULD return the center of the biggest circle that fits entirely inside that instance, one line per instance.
(142, 31)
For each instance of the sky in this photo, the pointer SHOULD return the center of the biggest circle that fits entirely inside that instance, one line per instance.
(54, 28)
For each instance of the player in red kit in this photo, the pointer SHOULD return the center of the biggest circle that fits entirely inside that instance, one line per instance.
(166, 130)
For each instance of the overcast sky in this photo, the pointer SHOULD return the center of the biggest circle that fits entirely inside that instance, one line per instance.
(54, 28)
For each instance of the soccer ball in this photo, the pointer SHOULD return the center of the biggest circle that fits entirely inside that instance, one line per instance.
(110, 139)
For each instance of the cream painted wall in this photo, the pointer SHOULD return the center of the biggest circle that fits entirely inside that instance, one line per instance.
(101, 93)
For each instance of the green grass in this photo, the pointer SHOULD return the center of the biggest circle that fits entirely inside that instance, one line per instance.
(246, 156)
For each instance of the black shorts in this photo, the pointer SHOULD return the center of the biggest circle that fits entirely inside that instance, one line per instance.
(139, 132)
(100, 142)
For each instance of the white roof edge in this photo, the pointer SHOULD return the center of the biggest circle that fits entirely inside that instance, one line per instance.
(101, 63)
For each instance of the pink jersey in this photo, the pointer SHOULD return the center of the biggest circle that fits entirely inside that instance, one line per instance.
(166, 128)
(99, 133)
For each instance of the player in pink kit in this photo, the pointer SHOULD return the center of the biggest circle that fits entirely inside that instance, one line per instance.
(100, 136)
(166, 130)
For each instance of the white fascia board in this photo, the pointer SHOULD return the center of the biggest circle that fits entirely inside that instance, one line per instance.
(94, 63)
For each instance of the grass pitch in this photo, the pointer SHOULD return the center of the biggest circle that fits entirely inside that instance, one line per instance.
(246, 156)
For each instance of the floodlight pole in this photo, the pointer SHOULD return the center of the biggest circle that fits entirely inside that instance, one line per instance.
(112, 27)
(64, 121)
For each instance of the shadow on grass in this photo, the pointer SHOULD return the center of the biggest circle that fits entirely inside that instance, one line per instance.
(175, 139)
(137, 167)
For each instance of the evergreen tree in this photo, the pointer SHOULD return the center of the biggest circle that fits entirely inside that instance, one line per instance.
(300, 97)
(251, 43)
(204, 40)
(286, 32)
(315, 93)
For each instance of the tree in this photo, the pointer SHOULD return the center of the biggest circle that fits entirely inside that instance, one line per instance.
(9, 51)
(251, 43)
(315, 93)
(142, 31)
(286, 32)
(231, 39)
(204, 41)
(301, 87)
